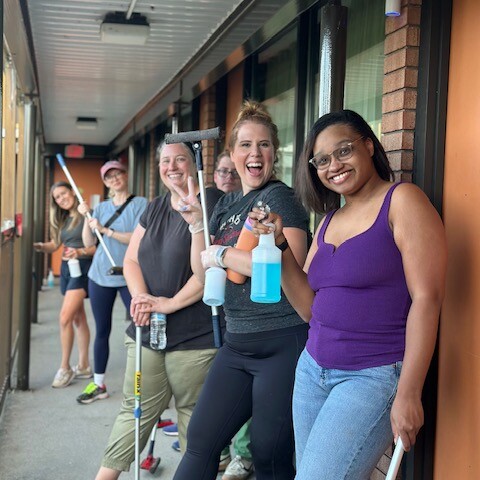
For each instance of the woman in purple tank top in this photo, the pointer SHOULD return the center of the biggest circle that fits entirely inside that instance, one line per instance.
(371, 290)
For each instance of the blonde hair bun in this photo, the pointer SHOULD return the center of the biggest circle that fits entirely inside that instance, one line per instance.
(253, 110)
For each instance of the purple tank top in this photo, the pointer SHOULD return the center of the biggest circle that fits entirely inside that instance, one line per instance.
(361, 303)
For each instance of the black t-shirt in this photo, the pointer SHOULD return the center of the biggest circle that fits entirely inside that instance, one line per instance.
(243, 315)
(164, 257)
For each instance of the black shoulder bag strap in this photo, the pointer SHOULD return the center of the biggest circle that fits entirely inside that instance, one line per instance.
(118, 211)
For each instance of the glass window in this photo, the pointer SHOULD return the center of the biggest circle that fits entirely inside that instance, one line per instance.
(274, 74)
(365, 58)
(364, 65)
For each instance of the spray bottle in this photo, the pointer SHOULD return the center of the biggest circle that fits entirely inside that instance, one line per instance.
(266, 270)
(50, 279)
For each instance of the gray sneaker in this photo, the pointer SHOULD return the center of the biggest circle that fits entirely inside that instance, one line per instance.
(63, 378)
(238, 469)
(92, 393)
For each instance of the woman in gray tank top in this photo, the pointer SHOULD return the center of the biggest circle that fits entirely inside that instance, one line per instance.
(66, 230)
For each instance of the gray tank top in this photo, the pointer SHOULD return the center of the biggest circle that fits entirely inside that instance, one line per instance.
(72, 237)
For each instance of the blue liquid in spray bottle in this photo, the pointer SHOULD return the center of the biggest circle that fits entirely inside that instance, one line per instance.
(266, 271)
(50, 279)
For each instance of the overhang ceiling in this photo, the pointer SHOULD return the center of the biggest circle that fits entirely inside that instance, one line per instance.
(80, 76)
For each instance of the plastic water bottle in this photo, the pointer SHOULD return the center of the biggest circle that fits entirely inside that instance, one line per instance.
(74, 268)
(266, 271)
(50, 279)
(158, 331)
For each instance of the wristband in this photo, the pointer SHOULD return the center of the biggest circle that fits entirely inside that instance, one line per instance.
(283, 246)
(220, 253)
(111, 231)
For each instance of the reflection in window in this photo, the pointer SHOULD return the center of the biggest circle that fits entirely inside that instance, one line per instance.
(365, 59)
(274, 85)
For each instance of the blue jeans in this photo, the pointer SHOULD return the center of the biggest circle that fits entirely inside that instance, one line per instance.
(341, 419)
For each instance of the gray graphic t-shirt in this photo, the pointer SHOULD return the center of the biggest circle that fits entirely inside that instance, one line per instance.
(243, 315)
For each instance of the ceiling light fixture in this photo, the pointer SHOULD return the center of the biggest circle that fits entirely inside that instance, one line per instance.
(117, 28)
(86, 123)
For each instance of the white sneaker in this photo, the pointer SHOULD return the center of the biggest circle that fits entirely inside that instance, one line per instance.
(238, 469)
(224, 462)
(63, 378)
(82, 372)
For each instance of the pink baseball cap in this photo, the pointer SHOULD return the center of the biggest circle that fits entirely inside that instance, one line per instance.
(110, 165)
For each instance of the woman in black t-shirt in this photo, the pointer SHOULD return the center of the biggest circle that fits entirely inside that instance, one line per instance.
(159, 277)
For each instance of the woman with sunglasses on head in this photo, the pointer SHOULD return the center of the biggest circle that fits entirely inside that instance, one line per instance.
(252, 374)
(103, 287)
(66, 229)
(371, 289)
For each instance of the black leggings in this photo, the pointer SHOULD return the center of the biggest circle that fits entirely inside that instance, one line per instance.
(102, 300)
(251, 376)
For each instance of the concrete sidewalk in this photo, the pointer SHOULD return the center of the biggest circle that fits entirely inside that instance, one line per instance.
(45, 433)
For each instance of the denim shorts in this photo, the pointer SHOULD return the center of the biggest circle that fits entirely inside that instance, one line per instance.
(69, 283)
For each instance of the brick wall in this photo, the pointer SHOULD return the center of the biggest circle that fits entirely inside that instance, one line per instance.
(208, 120)
(402, 39)
(381, 470)
(153, 173)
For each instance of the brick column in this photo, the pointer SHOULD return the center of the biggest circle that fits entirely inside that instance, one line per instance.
(208, 120)
(153, 167)
(402, 38)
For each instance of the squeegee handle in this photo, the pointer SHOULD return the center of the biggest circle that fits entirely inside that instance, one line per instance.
(396, 460)
(61, 161)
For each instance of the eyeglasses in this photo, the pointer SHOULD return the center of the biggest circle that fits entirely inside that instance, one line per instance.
(113, 175)
(342, 154)
(224, 172)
